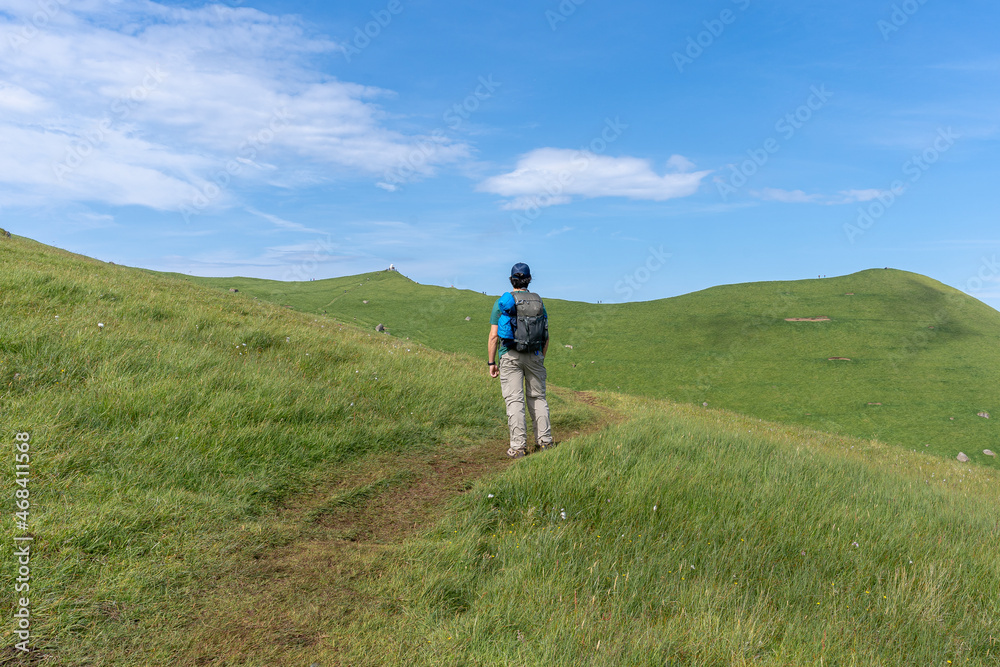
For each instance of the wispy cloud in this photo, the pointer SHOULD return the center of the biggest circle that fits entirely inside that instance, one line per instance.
(801, 197)
(281, 223)
(146, 104)
(550, 176)
(785, 196)
(85, 220)
(557, 232)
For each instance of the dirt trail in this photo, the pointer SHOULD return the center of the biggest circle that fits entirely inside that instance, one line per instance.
(281, 599)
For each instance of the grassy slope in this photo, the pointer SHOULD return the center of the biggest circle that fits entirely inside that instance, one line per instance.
(927, 353)
(155, 438)
(161, 446)
(697, 537)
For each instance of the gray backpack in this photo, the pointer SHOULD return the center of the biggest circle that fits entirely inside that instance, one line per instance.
(531, 326)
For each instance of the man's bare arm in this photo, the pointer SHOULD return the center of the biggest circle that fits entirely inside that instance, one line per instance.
(492, 346)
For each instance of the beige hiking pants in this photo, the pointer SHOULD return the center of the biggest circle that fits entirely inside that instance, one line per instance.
(523, 374)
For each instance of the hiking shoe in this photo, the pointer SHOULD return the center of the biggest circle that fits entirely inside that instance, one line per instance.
(545, 445)
(516, 453)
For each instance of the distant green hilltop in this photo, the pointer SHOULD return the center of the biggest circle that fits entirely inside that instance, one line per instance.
(880, 353)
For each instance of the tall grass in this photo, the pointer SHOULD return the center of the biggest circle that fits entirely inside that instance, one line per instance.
(691, 537)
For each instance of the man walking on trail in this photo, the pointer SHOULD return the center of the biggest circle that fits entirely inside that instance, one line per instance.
(519, 330)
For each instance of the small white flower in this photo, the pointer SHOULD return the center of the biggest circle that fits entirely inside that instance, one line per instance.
(100, 325)
(692, 567)
(490, 496)
(654, 508)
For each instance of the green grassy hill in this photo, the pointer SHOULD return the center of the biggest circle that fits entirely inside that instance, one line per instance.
(924, 359)
(217, 480)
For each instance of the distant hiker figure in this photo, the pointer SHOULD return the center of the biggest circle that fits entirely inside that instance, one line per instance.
(519, 330)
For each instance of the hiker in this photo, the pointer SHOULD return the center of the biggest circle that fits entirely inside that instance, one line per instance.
(519, 329)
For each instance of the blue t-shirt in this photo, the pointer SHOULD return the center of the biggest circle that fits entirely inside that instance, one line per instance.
(495, 319)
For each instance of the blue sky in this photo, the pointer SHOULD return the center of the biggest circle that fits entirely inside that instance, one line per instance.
(626, 151)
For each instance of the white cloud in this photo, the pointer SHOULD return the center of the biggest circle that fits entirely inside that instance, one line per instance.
(141, 103)
(85, 220)
(801, 197)
(557, 232)
(680, 163)
(18, 100)
(786, 196)
(281, 223)
(534, 201)
(851, 196)
(549, 176)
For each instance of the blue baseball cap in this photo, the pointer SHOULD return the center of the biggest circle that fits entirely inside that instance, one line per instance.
(520, 269)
